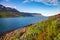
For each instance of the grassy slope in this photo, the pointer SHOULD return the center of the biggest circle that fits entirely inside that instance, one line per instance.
(9, 14)
(44, 30)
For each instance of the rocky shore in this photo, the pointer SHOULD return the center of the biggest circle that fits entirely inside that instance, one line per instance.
(11, 34)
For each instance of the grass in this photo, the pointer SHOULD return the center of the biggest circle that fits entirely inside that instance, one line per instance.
(9, 14)
(44, 30)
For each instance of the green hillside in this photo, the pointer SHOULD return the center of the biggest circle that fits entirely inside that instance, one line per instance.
(44, 30)
(9, 14)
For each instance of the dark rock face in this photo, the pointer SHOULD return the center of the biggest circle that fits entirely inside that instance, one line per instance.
(3, 8)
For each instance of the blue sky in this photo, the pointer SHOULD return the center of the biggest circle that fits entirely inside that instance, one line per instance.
(45, 7)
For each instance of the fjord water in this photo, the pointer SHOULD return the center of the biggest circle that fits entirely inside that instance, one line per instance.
(8, 24)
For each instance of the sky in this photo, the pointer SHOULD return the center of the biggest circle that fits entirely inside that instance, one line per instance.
(44, 7)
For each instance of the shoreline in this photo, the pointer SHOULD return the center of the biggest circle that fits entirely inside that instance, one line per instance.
(3, 33)
(8, 35)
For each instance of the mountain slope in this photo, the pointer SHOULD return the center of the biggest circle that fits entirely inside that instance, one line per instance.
(51, 30)
(12, 12)
(45, 30)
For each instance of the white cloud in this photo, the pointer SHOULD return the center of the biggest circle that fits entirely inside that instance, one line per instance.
(25, 1)
(11, 6)
(47, 2)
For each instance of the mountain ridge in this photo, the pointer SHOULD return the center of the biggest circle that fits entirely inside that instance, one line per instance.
(12, 12)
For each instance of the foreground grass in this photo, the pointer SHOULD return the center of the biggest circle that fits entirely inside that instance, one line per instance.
(44, 30)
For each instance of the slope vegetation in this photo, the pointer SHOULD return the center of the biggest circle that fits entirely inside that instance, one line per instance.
(44, 30)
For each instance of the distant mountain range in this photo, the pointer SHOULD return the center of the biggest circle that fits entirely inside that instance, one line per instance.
(12, 12)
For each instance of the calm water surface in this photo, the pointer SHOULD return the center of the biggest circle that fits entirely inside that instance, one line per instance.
(8, 24)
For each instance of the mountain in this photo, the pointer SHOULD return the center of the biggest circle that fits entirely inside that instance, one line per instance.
(12, 12)
(8, 9)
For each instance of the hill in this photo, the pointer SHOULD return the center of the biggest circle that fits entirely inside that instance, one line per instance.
(45, 30)
(12, 12)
